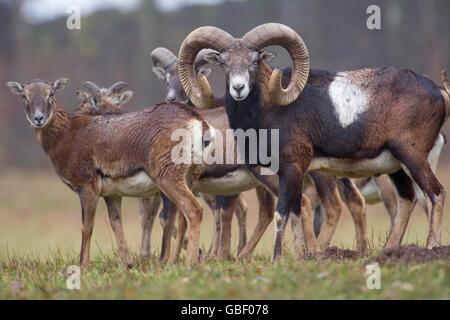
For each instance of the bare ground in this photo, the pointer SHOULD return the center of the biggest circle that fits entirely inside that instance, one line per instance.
(411, 254)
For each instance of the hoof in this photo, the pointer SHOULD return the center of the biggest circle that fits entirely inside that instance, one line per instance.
(227, 257)
(85, 267)
(129, 266)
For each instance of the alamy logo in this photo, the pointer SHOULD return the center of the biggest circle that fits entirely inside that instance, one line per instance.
(213, 147)
(73, 281)
(374, 20)
(73, 21)
(373, 273)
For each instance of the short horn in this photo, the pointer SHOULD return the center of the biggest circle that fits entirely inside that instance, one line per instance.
(163, 57)
(93, 89)
(118, 86)
(199, 90)
(278, 34)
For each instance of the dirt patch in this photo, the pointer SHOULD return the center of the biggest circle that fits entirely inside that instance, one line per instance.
(412, 254)
(336, 254)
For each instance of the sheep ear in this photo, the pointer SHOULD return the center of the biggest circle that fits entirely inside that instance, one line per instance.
(204, 72)
(267, 55)
(160, 73)
(125, 97)
(60, 84)
(15, 87)
(212, 57)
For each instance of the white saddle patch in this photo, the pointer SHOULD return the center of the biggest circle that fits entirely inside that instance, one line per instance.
(348, 99)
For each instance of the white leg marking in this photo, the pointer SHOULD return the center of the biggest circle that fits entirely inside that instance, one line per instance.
(433, 156)
(278, 221)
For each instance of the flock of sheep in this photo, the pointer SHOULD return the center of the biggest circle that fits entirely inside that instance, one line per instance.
(383, 125)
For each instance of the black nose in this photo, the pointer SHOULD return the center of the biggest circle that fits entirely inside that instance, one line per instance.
(39, 118)
(238, 87)
(171, 99)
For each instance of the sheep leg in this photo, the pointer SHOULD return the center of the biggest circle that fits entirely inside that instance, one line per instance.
(227, 206)
(289, 200)
(405, 205)
(308, 225)
(356, 204)
(437, 214)
(311, 193)
(211, 203)
(167, 219)
(423, 201)
(113, 205)
(388, 195)
(181, 232)
(148, 208)
(265, 215)
(214, 247)
(194, 215)
(192, 210)
(329, 195)
(209, 200)
(241, 215)
(89, 200)
(318, 218)
(299, 240)
(425, 178)
(433, 158)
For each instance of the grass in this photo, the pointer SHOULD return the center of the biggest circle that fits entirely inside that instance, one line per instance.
(40, 238)
(31, 277)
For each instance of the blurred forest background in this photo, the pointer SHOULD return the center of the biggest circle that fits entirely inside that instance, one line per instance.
(115, 44)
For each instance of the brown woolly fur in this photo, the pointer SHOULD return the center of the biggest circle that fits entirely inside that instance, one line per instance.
(114, 155)
(338, 122)
(111, 154)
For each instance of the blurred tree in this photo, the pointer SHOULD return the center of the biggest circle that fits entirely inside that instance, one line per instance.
(113, 46)
(9, 11)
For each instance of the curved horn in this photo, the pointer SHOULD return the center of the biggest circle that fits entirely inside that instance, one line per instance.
(199, 90)
(163, 57)
(93, 89)
(278, 34)
(118, 86)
